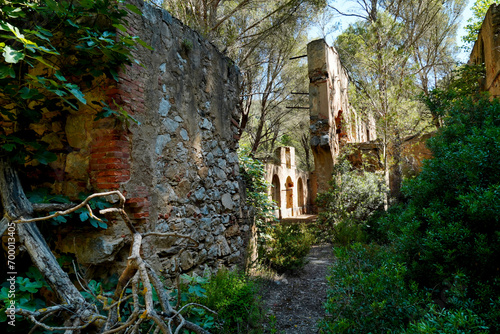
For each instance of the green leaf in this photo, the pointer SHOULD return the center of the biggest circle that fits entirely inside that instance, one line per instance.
(133, 9)
(8, 147)
(12, 56)
(102, 224)
(6, 71)
(85, 216)
(144, 44)
(72, 23)
(35, 274)
(78, 94)
(27, 93)
(59, 76)
(24, 284)
(120, 27)
(44, 31)
(47, 50)
(197, 290)
(44, 157)
(59, 219)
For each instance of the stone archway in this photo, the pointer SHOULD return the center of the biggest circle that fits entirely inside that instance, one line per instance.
(300, 195)
(289, 194)
(276, 192)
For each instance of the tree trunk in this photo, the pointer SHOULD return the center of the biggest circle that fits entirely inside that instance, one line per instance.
(16, 205)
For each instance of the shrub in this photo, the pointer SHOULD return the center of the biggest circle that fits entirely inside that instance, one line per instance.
(287, 247)
(450, 223)
(368, 292)
(444, 321)
(231, 294)
(354, 196)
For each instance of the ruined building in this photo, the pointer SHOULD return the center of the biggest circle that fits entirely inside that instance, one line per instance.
(178, 168)
(334, 122)
(290, 187)
(486, 50)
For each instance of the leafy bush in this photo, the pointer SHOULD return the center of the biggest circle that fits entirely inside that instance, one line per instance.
(354, 196)
(368, 292)
(231, 294)
(444, 321)
(287, 247)
(450, 223)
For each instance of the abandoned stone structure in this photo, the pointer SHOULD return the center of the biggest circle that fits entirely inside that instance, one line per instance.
(178, 168)
(290, 186)
(486, 50)
(334, 122)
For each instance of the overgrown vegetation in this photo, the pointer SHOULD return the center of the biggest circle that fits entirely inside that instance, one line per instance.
(53, 54)
(253, 174)
(436, 270)
(283, 247)
(232, 294)
(225, 302)
(354, 196)
(287, 247)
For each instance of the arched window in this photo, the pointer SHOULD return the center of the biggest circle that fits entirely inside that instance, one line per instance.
(289, 193)
(300, 193)
(276, 190)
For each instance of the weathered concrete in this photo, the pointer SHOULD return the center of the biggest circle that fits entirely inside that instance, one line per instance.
(333, 120)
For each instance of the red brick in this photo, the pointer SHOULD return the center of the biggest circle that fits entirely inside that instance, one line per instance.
(109, 161)
(140, 215)
(98, 155)
(113, 173)
(107, 186)
(113, 91)
(118, 166)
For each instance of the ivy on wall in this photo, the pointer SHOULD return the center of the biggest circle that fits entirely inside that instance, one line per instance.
(53, 54)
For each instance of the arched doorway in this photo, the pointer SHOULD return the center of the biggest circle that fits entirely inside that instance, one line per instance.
(300, 195)
(289, 194)
(276, 194)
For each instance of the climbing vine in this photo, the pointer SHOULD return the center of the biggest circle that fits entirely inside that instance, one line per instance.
(53, 53)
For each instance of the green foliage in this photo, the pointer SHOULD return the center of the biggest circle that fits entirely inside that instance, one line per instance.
(25, 296)
(479, 10)
(287, 247)
(253, 173)
(231, 294)
(369, 293)
(450, 225)
(42, 195)
(53, 53)
(354, 196)
(444, 321)
(465, 81)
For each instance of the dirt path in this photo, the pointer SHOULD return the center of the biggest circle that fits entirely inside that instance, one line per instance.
(294, 303)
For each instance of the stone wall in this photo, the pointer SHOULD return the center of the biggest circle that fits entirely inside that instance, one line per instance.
(178, 168)
(333, 120)
(486, 50)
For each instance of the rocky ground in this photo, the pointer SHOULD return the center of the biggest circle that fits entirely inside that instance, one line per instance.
(294, 301)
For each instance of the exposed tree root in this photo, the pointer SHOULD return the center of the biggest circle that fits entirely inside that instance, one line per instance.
(79, 313)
